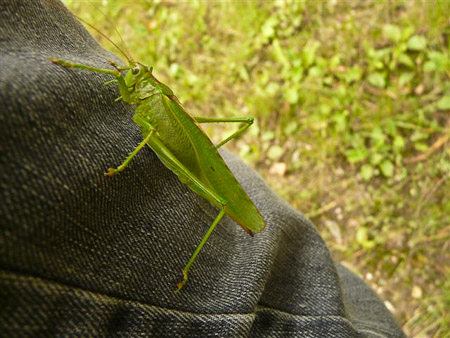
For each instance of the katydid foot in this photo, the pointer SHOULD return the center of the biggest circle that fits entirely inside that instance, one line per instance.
(111, 172)
(181, 284)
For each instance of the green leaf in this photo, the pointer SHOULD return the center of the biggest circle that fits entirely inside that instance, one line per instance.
(407, 32)
(353, 74)
(356, 155)
(440, 60)
(272, 88)
(275, 152)
(243, 73)
(392, 32)
(291, 127)
(378, 64)
(268, 135)
(279, 54)
(418, 136)
(405, 78)
(399, 142)
(315, 71)
(378, 137)
(366, 172)
(325, 109)
(429, 66)
(417, 42)
(420, 146)
(309, 52)
(444, 102)
(335, 60)
(387, 168)
(268, 29)
(340, 120)
(328, 80)
(291, 95)
(362, 237)
(376, 158)
(405, 60)
(377, 80)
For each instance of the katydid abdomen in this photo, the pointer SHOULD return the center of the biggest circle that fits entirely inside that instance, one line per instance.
(184, 138)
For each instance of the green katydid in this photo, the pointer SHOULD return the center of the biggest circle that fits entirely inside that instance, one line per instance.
(180, 143)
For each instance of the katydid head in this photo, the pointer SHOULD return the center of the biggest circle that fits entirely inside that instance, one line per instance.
(134, 73)
(139, 81)
(141, 75)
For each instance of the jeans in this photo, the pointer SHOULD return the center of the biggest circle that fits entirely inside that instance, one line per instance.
(87, 255)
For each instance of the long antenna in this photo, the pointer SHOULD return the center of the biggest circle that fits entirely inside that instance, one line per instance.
(95, 29)
(105, 36)
(116, 30)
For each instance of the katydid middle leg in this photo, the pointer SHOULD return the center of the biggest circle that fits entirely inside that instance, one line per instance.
(247, 120)
(199, 247)
(112, 171)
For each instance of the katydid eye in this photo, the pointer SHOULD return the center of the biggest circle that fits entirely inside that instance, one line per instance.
(135, 70)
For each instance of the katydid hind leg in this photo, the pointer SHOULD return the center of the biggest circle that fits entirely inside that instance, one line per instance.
(248, 121)
(188, 178)
(181, 284)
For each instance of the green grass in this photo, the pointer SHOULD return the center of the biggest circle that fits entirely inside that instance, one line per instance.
(352, 102)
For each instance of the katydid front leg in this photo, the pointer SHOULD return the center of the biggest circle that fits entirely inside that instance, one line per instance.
(116, 73)
(247, 120)
(69, 64)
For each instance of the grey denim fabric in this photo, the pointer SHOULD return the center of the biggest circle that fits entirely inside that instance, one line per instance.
(87, 255)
